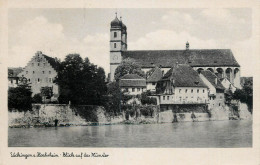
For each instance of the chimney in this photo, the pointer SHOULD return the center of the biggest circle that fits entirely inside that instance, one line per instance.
(187, 45)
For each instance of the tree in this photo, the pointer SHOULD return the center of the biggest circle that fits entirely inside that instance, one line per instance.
(128, 66)
(19, 98)
(116, 98)
(240, 95)
(80, 81)
(37, 98)
(145, 99)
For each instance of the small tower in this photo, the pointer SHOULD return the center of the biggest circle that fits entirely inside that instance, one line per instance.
(118, 43)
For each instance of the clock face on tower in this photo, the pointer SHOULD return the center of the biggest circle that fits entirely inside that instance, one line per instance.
(115, 57)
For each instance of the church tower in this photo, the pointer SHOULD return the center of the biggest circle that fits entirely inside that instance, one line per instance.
(118, 43)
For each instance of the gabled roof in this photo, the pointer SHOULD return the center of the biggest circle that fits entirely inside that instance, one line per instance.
(154, 75)
(132, 80)
(13, 72)
(53, 62)
(183, 76)
(193, 57)
(132, 76)
(211, 77)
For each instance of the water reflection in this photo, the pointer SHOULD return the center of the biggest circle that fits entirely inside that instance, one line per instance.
(185, 134)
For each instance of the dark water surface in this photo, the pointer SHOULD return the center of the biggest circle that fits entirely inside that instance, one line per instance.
(178, 135)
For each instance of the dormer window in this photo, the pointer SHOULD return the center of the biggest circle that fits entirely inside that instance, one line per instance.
(115, 34)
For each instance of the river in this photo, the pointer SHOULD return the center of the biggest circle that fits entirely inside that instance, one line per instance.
(211, 134)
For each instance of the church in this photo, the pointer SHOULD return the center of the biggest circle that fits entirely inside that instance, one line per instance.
(221, 62)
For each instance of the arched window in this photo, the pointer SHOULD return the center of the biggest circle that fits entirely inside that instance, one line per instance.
(115, 34)
(114, 45)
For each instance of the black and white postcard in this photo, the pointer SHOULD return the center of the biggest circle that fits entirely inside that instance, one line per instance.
(142, 82)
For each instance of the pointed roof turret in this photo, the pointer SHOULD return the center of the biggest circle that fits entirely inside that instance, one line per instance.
(116, 22)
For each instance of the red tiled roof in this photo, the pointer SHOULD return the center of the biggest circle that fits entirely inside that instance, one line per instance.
(193, 57)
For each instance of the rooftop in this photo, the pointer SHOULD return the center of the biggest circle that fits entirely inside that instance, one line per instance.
(183, 76)
(193, 57)
(132, 80)
(154, 75)
(211, 77)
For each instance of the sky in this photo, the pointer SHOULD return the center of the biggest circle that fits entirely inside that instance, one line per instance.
(58, 32)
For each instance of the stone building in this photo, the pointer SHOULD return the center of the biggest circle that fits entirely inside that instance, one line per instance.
(181, 85)
(216, 89)
(153, 76)
(40, 72)
(13, 78)
(133, 84)
(219, 61)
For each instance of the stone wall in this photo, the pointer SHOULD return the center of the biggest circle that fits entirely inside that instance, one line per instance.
(45, 114)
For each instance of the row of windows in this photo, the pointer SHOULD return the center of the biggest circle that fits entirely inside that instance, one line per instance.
(43, 72)
(180, 98)
(41, 80)
(186, 90)
(133, 89)
(39, 64)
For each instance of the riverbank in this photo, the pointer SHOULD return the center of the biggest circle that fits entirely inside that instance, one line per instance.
(44, 115)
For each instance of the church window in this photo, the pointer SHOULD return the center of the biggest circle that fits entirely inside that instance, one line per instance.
(38, 80)
(42, 72)
(33, 72)
(168, 97)
(126, 89)
(115, 34)
(198, 90)
(133, 89)
(192, 91)
(179, 90)
(29, 80)
(50, 79)
(49, 72)
(38, 64)
(11, 81)
(219, 104)
(114, 45)
(138, 89)
(203, 91)
(163, 97)
(44, 64)
(186, 90)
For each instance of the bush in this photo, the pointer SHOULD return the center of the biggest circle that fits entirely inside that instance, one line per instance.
(20, 98)
(145, 99)
(37, 98)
